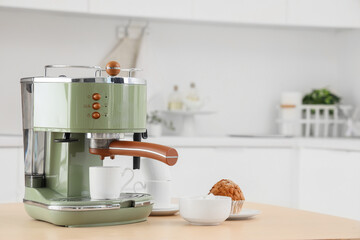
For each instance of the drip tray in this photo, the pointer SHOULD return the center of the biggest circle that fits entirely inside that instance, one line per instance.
(123, 198)
(126, 200)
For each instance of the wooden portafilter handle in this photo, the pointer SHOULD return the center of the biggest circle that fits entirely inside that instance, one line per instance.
(113, 68)
(162, 153)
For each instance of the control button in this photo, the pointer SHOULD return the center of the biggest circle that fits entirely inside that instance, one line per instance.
(95, 115)
(96, 96)
(96, 106)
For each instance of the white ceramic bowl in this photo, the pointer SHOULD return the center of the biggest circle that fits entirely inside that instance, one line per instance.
(205, 211)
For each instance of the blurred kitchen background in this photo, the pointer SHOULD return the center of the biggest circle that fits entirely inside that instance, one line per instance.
(227, 82)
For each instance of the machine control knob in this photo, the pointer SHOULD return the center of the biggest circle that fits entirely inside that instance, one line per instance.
(95, 115)
(96, 96)
(113, 68)
(96, 106)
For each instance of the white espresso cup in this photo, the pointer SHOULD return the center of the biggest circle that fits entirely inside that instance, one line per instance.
(106, 182)
(159, 190)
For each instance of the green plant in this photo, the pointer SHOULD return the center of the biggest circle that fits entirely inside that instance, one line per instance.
(321, 96)
(154, 118)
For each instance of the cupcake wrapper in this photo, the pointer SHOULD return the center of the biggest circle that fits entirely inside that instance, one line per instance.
(236, 206)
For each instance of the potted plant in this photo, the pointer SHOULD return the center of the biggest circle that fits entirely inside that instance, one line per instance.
(321, 120)
(321, 97)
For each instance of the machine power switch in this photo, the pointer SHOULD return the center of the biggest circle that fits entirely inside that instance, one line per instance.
(96, 96)
(95, 115)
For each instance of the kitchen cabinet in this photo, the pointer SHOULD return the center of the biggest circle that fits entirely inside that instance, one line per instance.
(12, 175)
(264, 11)
(324, 13)
(52, 5)
(195, 171)
(175, 9)
(233, 11)
(218, 11)
(265, 175)
(329, 179)
(310, 174)
(311, 179)
(313, 13)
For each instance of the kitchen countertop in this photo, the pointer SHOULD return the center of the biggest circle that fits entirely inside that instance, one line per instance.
(346, 144)
(273, 223)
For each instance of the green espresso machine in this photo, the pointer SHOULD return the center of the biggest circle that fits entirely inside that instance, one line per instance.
(71, 124)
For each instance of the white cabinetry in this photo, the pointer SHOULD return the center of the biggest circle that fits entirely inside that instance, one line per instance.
(266, 175)
(324, 13)
(295, 174)
(52, 5)
(195, 171)
(330, 182)
(174, 9)
(319, 13)
(219, 11)
(264, 11)
(12, 175)
(319, 180)
(244, 11)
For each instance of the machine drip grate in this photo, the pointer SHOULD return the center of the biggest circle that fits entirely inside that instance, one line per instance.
(123, 197)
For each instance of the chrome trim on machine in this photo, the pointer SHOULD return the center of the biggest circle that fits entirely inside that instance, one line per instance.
(114, 80)
(85, 207)
(73, 208)
(98, 69)
(96, 79)
(105, 135)
(72, 66)
(142, 204)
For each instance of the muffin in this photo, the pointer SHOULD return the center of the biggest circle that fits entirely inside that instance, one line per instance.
(226, 187)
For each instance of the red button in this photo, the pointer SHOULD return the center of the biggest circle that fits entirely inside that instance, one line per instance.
(96, 96)
(96, 106)
(96, 115)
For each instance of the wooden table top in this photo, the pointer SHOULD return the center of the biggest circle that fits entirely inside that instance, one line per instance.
(273, 223)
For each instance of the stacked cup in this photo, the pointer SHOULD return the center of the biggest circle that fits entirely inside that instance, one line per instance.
(157, 182)
(107, 182)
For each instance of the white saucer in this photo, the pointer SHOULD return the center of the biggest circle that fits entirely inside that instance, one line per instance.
(171, 210)
(244, 214)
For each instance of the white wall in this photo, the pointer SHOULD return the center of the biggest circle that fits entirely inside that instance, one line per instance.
(349, 65)
(30, 40)
(242, 69)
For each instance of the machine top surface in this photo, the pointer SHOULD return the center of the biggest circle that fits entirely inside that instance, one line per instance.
(116, 80)
(97, 78)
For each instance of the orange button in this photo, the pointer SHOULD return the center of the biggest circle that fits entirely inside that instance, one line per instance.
(96, 115)
(96, 96)
(96, 106)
